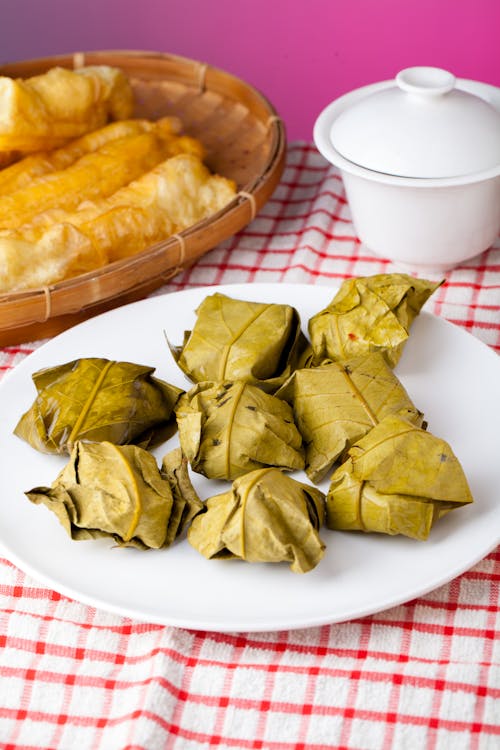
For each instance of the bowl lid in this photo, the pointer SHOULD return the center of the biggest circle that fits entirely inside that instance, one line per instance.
(422, 126)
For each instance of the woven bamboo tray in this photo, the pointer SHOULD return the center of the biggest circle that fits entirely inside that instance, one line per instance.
(244, 139)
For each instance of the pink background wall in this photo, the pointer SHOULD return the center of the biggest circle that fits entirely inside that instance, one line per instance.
(300, 53)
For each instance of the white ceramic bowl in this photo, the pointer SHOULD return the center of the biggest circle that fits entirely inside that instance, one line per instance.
(421, 224)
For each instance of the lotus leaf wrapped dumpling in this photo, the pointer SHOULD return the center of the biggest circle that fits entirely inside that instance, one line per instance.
(236, 339)
(114, 491)
(267, 516)
(227, 429)
(398, 479)
(337, 403)
(372, 313)
(96, 399)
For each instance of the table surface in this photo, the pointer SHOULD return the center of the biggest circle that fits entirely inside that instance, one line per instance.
(425, 674)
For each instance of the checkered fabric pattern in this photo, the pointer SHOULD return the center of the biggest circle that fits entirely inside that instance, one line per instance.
(425, 674)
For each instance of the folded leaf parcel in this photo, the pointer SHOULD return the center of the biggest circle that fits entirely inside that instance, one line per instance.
(266, 403)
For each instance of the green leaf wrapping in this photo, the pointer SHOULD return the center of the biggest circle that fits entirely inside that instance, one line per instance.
(234, 339)
(336, 404)
(186, 503)
(398, 479)
(106, 490)
(227, 429)
(95, 399)
(267, 516)
(372, 313)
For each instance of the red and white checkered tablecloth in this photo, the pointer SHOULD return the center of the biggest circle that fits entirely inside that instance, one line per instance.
(425, 674)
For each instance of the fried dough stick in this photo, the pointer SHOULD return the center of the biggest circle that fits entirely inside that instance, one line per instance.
(45, 111)
(174, 195)
(23, 172)
(94, 175)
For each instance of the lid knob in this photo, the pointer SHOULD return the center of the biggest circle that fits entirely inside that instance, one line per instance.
(425, 81)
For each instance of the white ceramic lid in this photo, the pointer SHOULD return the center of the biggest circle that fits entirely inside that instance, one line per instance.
(423, 126)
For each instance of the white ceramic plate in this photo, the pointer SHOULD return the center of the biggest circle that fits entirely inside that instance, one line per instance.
(450, 375)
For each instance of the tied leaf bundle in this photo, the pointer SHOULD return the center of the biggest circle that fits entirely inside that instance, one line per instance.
(292, 408)
(96, 399)
(334, 405)
(372, 313)
(267, 516)
(230, 428)
(114, 491)
(233, 339)
(398, 479)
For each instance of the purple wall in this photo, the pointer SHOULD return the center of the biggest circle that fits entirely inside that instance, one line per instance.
(300, 53)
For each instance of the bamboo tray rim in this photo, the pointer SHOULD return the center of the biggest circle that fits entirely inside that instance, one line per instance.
(26, 311)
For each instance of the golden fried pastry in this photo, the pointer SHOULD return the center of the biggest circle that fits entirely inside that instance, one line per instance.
(45, 111)
(60, 253)
(23, 172)
(95, 175)
(8, 157)
(177, 193)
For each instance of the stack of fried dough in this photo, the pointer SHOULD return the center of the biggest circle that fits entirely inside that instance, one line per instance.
(107, 194)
